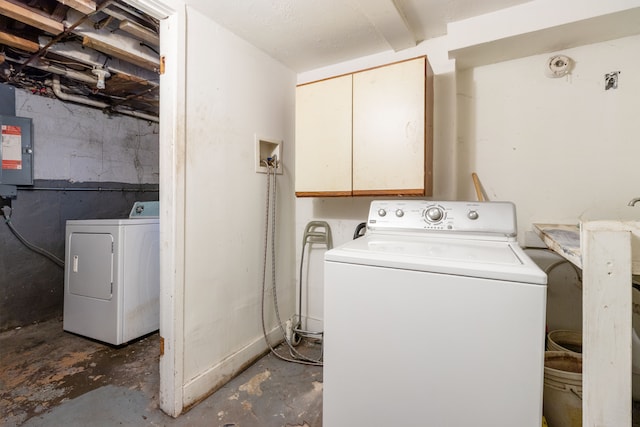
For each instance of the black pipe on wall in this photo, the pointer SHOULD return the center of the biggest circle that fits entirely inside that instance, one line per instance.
(31, 286)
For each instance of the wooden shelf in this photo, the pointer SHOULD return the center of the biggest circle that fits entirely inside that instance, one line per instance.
(563, 239)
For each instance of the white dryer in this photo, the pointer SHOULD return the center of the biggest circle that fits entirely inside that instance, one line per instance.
(436, 317)
(112, 276)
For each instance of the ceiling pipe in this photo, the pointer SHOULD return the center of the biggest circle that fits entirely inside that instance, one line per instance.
(55, 69)
(138, 115)
(57, 90)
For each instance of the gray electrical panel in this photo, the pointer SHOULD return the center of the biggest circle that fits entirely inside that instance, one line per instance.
(7, 100)
(16, 152)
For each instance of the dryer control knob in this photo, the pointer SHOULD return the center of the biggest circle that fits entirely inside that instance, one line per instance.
(434, 214)
(472, 215)
(382, 212)
(399, 213)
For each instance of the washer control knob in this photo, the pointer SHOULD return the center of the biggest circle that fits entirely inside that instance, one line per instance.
(434, 214)
(382, 212)
(399, 213)
(472, 215)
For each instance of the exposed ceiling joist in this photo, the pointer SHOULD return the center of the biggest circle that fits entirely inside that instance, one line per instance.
(104, 53)
(18, 42)
(84, 6)
(30, 17)
(114, 44)
(74, 51)
(390, 23)
(106, 46)
(140, 32)
(123, 13)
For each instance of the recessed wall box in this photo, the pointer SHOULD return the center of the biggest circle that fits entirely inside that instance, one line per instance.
(268, 150)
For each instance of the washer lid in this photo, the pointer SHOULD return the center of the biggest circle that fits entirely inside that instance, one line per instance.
(474, 258)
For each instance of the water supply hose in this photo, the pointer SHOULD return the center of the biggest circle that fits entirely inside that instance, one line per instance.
(271, 165)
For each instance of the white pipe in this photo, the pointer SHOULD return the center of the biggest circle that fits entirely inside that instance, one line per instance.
(57, 90)
(55, 69)
(138, 115)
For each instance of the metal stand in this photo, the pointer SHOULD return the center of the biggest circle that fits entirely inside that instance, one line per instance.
(316, 232)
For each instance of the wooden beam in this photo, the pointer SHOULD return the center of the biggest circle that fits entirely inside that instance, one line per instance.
(390, 22)
(121, 53)
(26, 16)
(118, 45)
(140, 32)
(60, 12)
(606, 324)
(18, 42)
(84, 6)
(123, 13)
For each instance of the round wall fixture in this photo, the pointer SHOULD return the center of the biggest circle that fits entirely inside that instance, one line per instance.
(558, 66)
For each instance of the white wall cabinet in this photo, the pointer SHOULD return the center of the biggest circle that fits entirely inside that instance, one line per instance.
(323, 137)
(366, 134)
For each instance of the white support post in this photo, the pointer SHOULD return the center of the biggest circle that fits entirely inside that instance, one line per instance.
(606, 252)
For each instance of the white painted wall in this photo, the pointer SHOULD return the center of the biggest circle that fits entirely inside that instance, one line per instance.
(81, 144)
(236, 91)
(561, 149)
(233, 91)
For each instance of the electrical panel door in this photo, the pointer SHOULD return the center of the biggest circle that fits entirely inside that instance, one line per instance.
(16, 151)
(90, 265)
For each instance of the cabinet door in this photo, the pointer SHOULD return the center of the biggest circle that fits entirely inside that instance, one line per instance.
(323, 138)
(389, 129)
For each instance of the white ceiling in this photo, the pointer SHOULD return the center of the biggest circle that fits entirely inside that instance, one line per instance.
(120, 43)
(309, 34)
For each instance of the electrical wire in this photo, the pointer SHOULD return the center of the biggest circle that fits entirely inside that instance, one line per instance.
(297, 357)
(73, 63)
(7, 219)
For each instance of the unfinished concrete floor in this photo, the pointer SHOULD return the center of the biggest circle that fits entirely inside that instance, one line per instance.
(52, 378)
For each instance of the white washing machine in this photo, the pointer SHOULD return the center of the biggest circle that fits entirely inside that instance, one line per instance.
(436, 317)
(112, 276)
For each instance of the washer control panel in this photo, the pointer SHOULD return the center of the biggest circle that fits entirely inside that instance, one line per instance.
(446, 216)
